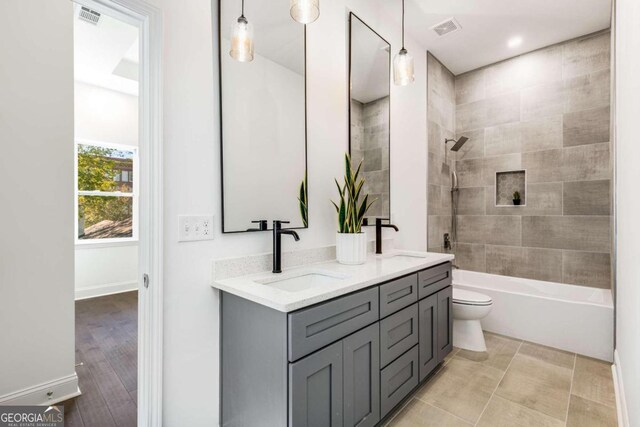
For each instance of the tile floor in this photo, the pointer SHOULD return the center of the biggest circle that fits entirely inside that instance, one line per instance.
(514, 383)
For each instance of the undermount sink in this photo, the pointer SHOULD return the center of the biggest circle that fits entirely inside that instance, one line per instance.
(303, 280)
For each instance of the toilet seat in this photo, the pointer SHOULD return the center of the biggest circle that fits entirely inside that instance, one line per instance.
(464, 297)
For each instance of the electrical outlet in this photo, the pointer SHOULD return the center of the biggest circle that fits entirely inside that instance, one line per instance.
(193, 228)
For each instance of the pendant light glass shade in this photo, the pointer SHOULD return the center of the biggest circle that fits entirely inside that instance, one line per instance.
(305, 11)
(403, 68)
(242, 40)
(403, 62)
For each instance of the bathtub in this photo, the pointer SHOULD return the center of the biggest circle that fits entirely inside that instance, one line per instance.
(573, 318)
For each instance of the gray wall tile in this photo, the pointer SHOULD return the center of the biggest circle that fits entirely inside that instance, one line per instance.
(542, 199)
(588, 91)
(437, 226)
(586, 127)
(492, 165)
(587, 269)
(586, 162)
(474, 147)
(541, 134)
(503, 139)
(530, 263)
(493, 230)
(543, 101)
(543, 66)
(587, 198)
(582, 233)
(470, 87)
(471, 201)
(469, 172)
(543, 166)
(488, 112)
(586, 55)
(503, 77)
(470, 257)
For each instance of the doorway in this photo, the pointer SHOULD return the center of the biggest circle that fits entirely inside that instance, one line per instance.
(118, 233)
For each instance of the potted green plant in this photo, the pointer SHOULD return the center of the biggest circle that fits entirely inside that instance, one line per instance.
(351, 242)
(516, 198)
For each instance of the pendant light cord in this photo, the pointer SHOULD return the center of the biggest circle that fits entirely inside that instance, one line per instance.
(402, 23)
(242, 13)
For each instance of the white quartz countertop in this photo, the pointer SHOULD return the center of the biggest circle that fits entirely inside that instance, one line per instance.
(300, 287)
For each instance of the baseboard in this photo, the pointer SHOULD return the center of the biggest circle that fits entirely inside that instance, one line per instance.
(108, 289)
(621, 401)
(48, 393)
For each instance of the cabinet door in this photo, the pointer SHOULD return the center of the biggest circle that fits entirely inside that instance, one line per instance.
(428, 327)
(398, 333)
(315, 389)
(445, 322)
(362, 377)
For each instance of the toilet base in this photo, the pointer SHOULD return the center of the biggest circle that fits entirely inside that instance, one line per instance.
(467, 334)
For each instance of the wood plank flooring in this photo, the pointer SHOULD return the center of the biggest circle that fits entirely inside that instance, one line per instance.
(107, 345)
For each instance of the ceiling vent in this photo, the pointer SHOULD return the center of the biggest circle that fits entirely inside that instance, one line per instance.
(446, 27)
(88, 15)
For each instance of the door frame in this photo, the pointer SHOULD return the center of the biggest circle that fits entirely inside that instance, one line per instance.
(150, 247)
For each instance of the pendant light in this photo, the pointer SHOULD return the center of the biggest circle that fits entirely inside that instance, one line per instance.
(305, 11)
(242, 39)
(403, 62)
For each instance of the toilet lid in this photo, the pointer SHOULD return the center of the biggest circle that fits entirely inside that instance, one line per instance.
(462, 296)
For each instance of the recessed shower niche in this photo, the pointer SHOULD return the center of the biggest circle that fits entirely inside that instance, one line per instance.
(507, 184)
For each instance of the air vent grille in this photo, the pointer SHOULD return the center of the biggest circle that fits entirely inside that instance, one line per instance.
(88, 15)
(446, 27)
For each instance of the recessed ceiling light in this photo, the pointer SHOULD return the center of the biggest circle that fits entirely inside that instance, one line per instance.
(514, 42)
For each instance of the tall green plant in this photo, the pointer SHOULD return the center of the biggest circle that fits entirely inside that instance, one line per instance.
(303, 201)
(350, 211)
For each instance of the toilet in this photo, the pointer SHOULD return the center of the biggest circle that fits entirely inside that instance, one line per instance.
(468, 309)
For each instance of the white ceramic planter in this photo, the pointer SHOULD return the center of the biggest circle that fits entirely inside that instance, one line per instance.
(351, 248)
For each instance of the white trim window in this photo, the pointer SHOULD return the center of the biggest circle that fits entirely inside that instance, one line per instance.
(106, 202)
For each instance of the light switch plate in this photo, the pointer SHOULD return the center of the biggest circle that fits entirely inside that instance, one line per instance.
(195, 227)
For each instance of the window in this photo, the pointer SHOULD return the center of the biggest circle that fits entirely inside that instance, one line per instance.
(106, 193)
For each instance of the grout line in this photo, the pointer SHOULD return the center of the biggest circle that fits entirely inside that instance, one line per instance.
(498, 385)
(573, 374)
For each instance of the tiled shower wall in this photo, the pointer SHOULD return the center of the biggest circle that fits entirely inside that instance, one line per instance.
(546, 112)
(441, 97)
(370, 144)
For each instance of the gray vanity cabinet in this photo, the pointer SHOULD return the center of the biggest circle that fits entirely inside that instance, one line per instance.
(445, 322)
(315, 389)
(345, 362)
(338, 385)
(361, 376)
(428, 321)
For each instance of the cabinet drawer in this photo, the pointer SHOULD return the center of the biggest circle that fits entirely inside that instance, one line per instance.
(398, 333)
(398, 294)
(397, 380)
(318, 326)
(434, 279)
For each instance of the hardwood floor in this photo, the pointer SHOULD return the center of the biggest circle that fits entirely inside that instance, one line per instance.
(107, 345)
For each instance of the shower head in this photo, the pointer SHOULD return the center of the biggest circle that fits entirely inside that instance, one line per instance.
(458, 144)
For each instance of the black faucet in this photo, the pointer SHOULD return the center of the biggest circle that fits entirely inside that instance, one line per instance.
(262, 225)
(379, 226)
(277, 243)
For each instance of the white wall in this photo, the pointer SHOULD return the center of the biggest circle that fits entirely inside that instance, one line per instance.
(36, 196)
(627, 202)
(106, 116)
(192, 181)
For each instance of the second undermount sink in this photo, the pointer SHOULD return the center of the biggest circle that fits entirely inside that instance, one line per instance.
(302, 280)
(405, 256)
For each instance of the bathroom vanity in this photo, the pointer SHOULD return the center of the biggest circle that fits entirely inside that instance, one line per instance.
(332, 345)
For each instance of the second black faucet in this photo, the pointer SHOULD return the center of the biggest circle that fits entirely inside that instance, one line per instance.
(278, 231)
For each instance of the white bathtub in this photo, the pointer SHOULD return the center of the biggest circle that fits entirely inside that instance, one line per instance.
(573, 318)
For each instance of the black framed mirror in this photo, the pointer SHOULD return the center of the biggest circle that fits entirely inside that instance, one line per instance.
(369, 112)
(263, 116)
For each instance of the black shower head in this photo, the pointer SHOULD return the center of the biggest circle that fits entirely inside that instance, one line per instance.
(458, 144)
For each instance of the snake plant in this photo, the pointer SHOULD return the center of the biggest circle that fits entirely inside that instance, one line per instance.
(350, 211)
(303, 201)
